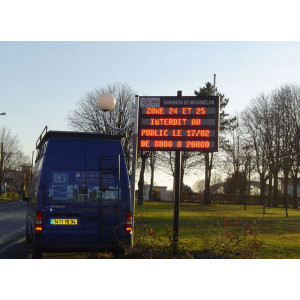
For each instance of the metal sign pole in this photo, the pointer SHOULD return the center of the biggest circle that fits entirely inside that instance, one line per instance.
(134, 152)
(177, 194)
(176, 200)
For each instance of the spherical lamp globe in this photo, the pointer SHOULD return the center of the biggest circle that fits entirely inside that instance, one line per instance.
(106, 102)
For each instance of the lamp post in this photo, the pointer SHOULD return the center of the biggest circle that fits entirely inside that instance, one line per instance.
(1, 156)
(106, 102)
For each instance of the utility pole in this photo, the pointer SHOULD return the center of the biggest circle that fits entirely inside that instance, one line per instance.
(1, 157)
(1, 166)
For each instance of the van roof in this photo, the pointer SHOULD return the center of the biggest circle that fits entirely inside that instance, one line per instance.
(73, 135)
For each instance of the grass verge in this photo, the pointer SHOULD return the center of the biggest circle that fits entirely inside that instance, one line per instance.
(217, 231)
(6, 199)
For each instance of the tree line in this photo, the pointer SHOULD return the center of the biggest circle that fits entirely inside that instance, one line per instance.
(12, 158)
(269, 136)
(262, 140)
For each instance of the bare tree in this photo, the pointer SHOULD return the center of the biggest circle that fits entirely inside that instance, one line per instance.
(152, 163)
(199, 186)
(11, 157)
(189, 161)
(233, 150)
(295, 141)
(254, 126)
(88, 118)
(143, 155)
(288, 98)
(274, 141)
(272, 124)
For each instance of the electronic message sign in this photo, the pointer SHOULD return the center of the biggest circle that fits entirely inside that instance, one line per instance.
(179, 123)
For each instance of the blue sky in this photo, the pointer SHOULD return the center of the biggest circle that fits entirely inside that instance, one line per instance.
(40, 82)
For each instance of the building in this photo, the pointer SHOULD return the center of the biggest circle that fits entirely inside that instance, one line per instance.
(164, 194)
(13, 181)
(290, 186)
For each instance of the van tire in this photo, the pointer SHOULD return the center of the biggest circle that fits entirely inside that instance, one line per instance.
(119, 252)
(36, 253)
(28, 239)
(36, 250)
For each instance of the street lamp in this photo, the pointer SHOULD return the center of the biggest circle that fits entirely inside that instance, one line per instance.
(106, 102)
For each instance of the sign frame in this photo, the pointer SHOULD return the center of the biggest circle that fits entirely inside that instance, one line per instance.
(173, 123)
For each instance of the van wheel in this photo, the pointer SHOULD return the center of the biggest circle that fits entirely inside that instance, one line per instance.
(36, 250)
(28, 239)
(119, 252)
(36, 253)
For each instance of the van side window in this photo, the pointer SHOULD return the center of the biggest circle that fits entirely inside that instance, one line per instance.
(78, 185)
(34, 186)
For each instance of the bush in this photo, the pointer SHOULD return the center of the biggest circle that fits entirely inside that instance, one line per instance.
(148, 245)
(233, 241)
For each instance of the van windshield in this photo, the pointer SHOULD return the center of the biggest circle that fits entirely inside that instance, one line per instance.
(78, 185)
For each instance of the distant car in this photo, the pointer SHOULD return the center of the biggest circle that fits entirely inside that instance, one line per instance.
(79, 197)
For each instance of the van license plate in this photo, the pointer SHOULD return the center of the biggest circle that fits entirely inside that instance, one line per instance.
(63, 221)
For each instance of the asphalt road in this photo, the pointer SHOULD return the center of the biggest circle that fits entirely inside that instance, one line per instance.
(12, 228)
(12, 221)
(19, 249)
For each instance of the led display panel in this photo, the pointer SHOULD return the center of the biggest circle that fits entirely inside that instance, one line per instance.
(179, 123)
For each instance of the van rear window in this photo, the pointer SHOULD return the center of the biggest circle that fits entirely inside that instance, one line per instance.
(70, 185)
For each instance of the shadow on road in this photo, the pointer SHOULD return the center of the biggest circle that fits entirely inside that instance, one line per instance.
(21, 250)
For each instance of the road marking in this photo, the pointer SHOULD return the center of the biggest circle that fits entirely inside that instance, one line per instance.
(9, 235)
(22, 239)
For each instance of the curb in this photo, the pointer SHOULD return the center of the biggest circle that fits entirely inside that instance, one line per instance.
(11, 242)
